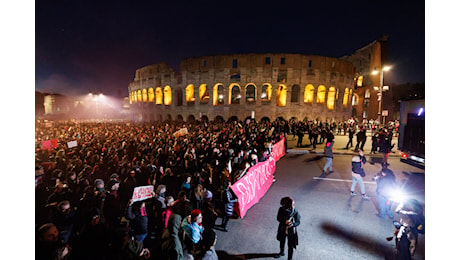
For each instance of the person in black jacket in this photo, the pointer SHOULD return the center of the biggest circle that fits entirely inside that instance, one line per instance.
(289, 219)
(357, 174)
(136, 213)
(228, 199)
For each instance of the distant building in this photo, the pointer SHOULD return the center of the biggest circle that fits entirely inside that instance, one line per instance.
(269, 85)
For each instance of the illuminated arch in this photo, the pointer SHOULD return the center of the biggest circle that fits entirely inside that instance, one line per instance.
(218, 94)
(321, 95)
(151, 94)
(266, 93)
(139, 95)
(167, 95)
(354, 99)
(359, 81)
(234, 91)
(159, 96)
(250, 93)
(331, 98)
(345, 97)
(281, 93)
(203, 93)
(309, 94)
(144, 95)
(131, 97)
(190, 93)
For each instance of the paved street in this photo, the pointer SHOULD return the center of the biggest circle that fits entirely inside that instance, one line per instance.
(333, 225)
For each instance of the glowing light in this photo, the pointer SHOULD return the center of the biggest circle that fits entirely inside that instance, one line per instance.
(420, 111)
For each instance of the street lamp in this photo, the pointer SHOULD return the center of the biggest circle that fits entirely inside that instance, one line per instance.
(381, 88)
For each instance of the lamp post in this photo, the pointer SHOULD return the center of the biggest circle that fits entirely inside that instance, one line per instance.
(380, 88)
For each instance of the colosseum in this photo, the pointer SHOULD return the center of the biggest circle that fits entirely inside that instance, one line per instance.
(241, 86)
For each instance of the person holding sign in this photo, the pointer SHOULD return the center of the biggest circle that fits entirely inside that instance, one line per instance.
(138, 220)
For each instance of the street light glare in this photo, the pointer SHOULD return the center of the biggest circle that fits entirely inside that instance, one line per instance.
(386, 68)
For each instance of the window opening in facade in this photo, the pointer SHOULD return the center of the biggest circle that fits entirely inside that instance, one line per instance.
(235, 63)
(151, 95)
(203, 93)
(250, 93)
(295, 93)
(331, 98)
(266, 93)
(144, 95)
(159, 96)
(321, 95)
(218, 95)
(190, 94)
(167, 96)
(309, 94)
(283, 60)
(267, 60)
(345, 97)
(139, 95)
(179, 97)
(235, 94)
(310, 63)
(281, 93)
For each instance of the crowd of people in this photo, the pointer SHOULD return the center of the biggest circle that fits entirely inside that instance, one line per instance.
(83, 197)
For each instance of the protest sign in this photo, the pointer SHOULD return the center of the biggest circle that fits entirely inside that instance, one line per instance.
(143, 193)
(49, 144)
(180, 132)
(72, 144)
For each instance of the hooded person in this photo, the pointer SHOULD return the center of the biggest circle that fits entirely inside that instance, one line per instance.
(171, 247)
(289, 219)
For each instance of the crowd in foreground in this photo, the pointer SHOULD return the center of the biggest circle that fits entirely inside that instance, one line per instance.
(84, 207)
(83, 197)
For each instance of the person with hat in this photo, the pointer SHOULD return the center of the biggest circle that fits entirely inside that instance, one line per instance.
(193, 229)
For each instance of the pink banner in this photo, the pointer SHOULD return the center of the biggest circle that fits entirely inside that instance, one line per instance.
(254, 184)
(49, 144)
(258, 179)
(278, 150)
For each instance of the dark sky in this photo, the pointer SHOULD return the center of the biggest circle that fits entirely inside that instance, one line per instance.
(96, 46)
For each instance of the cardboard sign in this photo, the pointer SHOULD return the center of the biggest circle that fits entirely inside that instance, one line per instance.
(143, 193)
(180, 132)
(72, 144)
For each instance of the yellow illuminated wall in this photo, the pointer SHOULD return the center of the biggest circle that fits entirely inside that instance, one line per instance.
(159, 96)
(151, 95)
(331, 98)
(309, 94)
(345, 97)
(167, 95)
(321, 96)
(281, 93)
(190, 93)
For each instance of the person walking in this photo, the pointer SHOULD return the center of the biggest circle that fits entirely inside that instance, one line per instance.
(357, 174)
(351, 133)
(360, 139)
(329, 156)
(289, 219)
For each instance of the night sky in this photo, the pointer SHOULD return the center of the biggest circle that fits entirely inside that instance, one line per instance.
(83, 46)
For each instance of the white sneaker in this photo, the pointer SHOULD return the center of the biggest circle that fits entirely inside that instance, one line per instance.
(352, 193)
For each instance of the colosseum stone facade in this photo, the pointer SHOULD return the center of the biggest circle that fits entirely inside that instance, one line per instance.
(269, 85)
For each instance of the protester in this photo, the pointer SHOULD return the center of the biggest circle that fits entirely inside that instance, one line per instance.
(289, 219)
(228, 201)
(357, 173)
